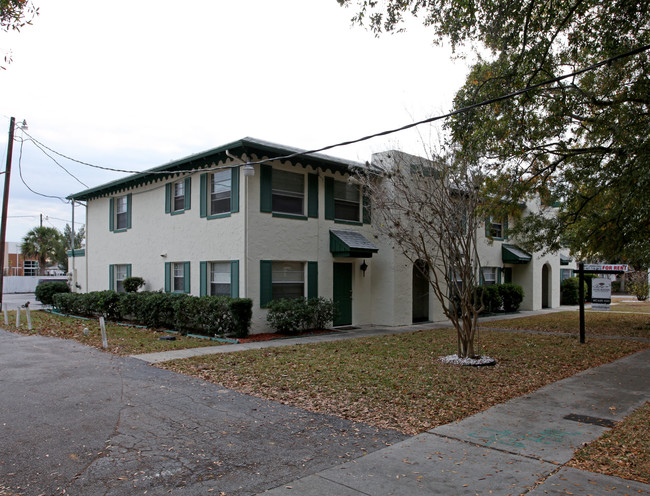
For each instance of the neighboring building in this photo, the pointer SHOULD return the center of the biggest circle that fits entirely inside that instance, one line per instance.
(15, 263)
(297, 227)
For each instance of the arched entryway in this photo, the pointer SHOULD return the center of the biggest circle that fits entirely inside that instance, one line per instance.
(546, 286)
(420, 292)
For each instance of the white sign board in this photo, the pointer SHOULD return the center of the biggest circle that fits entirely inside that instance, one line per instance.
(606, 267)
(601, 293)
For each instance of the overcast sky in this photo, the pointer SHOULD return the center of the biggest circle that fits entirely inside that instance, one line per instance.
(136, 84)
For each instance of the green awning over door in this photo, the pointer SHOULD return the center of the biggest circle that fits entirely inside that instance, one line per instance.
(512, 254)
(350, 244)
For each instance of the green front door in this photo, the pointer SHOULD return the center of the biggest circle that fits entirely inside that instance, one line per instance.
(343, 293)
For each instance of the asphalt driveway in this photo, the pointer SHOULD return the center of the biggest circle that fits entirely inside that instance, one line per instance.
(83, 422)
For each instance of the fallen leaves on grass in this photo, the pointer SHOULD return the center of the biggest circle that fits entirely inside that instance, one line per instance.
(596, 324)
(397, 381)
(621, 452)
(122, 340)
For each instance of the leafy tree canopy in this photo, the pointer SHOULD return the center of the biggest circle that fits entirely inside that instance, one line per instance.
(43, 243)
(581, 142)
(14, 14)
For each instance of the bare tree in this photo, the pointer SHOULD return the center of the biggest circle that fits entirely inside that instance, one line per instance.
(429, 208)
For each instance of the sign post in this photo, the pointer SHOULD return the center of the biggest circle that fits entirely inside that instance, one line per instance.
(598, 299)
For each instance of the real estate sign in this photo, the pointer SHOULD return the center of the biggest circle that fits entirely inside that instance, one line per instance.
(601, 293)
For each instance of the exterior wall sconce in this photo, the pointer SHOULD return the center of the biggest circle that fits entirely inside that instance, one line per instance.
(363, 267)
(249, 170)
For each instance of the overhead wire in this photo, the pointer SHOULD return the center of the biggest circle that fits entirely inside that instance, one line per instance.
(387, 132)
(20, 172)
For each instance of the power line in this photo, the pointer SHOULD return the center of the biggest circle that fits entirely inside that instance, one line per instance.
(20, 171)
(381, 133)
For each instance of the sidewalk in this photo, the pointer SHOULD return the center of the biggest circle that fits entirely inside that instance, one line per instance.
(519, 447)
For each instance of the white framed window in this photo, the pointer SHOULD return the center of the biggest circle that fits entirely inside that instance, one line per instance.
(288, 192)
(121, 212)
(287, 280)
(178, 277)
(489, 275)
(31, 267)
(565, 274)
(496, 228)
(219, 278)
(121, 273)
(220, 187)
(178, 199)
(347, 201)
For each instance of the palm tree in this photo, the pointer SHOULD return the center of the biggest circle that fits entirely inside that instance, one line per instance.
(42, 243)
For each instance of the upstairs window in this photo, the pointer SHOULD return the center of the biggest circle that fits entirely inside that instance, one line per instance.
(119, 209)
(496, 228)
(178, 195)
(220, 187)
(288, 192)
(347, 201)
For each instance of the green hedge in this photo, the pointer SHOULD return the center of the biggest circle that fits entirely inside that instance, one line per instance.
(45, 291)
(500, 297)
(570, 291)
(300, 314)
(208, 315)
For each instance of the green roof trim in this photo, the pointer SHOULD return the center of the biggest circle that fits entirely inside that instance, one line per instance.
(79, 252)
(512, 254)
(350, 244)
(564, 260)
(249, 146)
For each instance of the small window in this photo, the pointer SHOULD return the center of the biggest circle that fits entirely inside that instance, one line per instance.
(121, 273)
(288, 280)
(31, 268)
(220, 184)
(121, 212)
(288, 192)
(179, 196)
(178, 283)
(496, 228)
(489, 275)
(220, 278)
(565, 274)
(347, 201)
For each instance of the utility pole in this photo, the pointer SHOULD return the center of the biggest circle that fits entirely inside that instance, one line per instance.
(5, 204)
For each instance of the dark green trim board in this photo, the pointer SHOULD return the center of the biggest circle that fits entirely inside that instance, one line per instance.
(188, 193)
(79, 252)
(168, 198)
(203, 195)
(234, 278)
(329, 198)
(234, 190)
(208, 158)
(111, 214)
(312, 195)
(312, 279)
(128, 270)
(168, 277)
(128, 210)
(203, 278)
(266, 287)
(266, 191)
(186, 277)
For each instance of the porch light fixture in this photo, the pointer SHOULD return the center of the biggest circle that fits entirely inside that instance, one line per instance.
(249, 170)
(363, 267)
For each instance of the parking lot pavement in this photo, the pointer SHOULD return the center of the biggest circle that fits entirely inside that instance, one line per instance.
(15, 300)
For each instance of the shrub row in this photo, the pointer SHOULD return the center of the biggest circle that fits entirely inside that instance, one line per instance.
(208, 315)
(300, 314)
(570, 291)
(46, 290)
(500, 297)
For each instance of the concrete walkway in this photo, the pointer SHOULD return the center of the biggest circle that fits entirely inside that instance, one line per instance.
(519, 447)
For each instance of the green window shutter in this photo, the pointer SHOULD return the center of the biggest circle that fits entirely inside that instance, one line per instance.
(505, 228)
(234, 278)
(266, 192)
(128, 270)
(129, 202)
(312, 279)
(168, 277)
(111, 214)
(366, 207)
(186, 277)
(266, 289)
(188, 193)
(203, 278)
(234, 190)
(111, 277)
(168, 198)
(329, 198)
(312, 195)
(203, 197)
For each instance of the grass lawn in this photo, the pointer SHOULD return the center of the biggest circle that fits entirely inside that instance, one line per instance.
(596, 323)
(622, 452)
(396, 381)
(632, 306)
(122, 340)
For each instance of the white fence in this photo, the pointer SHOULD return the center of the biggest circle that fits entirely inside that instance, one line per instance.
(26, 284)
